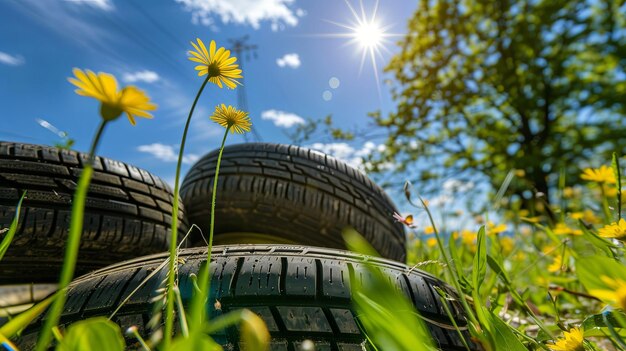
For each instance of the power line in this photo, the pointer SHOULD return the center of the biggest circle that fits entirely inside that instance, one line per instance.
(240, 47)
(158, 25)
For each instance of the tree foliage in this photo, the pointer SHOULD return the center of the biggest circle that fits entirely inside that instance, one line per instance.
(485, 87)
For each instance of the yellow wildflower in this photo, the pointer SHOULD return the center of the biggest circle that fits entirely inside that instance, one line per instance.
(468, 237)
(615, 230)
(564, 229)
(507, 244)
(577, 215)
(609, 191)
(218, 64)
(568, 192)
(113, 102)
(616, 295)
(572, 340)
(431, 242)
(590, 217)
(604, 174)
(230, 117)
(429, 230)
(557, 265)
(495, 229)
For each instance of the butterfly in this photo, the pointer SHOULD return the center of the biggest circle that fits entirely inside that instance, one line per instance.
(408, 220)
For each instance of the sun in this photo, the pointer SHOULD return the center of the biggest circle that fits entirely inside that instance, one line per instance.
(366, 32)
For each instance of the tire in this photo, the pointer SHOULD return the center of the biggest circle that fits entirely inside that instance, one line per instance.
(300, 292)
(127, 213)
(273, 193)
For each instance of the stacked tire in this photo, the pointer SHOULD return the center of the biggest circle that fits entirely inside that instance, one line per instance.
(280, 211)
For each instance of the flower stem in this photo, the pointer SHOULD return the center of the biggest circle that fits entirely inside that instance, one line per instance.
(73, 242)
(198, 306)
(605, 205)
(169, 309)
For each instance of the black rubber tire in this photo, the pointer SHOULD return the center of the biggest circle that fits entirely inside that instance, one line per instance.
(273, 193)
(127, 214)
(300, 292)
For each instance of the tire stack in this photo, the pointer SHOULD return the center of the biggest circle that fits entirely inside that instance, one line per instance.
(280, 211)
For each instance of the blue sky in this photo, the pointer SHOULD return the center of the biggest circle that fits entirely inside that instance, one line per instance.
(145, 42)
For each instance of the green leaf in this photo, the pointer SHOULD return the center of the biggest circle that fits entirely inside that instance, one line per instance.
(389, 319)
(22, 320)
(8, 238)
(617, 172)
(591, 269)
(92, 334)
(503, 336)
(595, 325)
(196, 341)
(456, 263)
(597, 241)
(254, 334)
(480, 259)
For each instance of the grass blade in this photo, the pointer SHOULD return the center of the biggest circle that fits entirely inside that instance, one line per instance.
(8, 238)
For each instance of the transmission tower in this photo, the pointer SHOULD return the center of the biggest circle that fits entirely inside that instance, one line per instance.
(242, 49)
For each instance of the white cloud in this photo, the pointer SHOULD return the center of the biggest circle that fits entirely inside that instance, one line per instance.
(144, 76)
(282, 118)
(350, 155)
(10, 59)
(289, 60)
(66, 20)
(247, 12)
(105, 5)
(166, 153)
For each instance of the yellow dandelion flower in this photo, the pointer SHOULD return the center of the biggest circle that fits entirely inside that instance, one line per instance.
(431, 242)
(230, 117)
(507, 244)
(495, 229)
(564, 229)
(568, 192)
(468, 237)
(572, 340)
(103, 87)
(590, 217)
(615, 230)
(218, 64)
(616, 295)
(557, 265)
(577, 215)
(429, 230)
(609, 191)
(604, 174)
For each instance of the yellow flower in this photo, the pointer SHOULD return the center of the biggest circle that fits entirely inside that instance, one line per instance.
(507, 244)
(495, 229)
(615, 230)
(572, 340)
(103, 87)
(557, 265)
(577, 215)
(230, 117)
(603, 174)
(431, 242)
(468, 237)
(587, 216)
(563, 229)
(616, 296)
(218, 64)
(568, 192)
(429, 230)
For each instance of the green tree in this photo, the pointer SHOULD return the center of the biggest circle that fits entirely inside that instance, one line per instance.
(485, 87)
